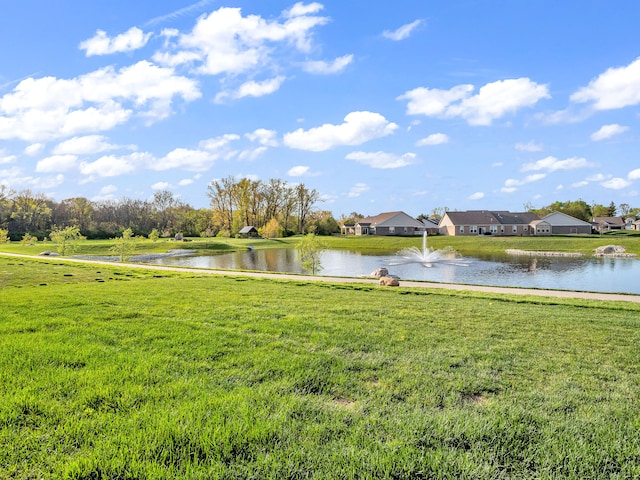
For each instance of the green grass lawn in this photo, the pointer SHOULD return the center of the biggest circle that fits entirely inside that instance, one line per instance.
(110, 373)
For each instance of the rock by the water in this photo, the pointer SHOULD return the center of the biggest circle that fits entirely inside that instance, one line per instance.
(49, 253)
(612, 251)
(389, 282)
(380, 272)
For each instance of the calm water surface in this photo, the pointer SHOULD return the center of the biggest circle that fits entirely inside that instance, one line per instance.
(619, 275)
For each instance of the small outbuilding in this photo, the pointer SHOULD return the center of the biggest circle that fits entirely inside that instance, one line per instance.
(249, 232)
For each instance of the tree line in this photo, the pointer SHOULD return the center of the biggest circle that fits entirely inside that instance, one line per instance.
(274, 207)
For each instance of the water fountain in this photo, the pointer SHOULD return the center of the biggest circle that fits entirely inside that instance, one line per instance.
(427, 257)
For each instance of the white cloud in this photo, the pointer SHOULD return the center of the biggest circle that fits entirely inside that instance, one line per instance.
(433, 139)
(598, 177)
(225, 42)
(198, 160)
(218, 143)
(112, 166)
(476, 196)
(252, 154)
(358, 128)
(161, 186)
(34, 149)
(533, 178)
(403, 32)
(493, 100)
(497, 164)
(529, 147)
(5, 159)
(300, 171)
(300, 9)
(106, 193)
(326, 68)
(608, 131)
(552, 164)
(263, 137)
(358, 189)
(108, 189)
(616, 88)
(85, 145)
(634, 174)
(48, 108)
(56, 163)
(101, 44)
(189, 159)
(616, 183)
(185, 182)
(511, 183)
(252, 89)
(382, 159)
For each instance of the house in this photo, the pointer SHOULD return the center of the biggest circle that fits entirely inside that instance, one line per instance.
(389, 223)
(249, 231)
(559, 223)
(485, 222)
(431, 226)
(606, 224)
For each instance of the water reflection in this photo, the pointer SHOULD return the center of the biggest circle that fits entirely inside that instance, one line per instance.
(562, 273)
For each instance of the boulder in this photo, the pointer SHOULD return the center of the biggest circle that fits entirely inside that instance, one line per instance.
(49, 253)
(380, 272)
(389, 282)
(610, 250)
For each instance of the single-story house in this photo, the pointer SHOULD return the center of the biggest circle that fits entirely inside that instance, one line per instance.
(389, 223)
(485, 222)
(562, 224)
(431, 226)
(249, 231)
(606, 224)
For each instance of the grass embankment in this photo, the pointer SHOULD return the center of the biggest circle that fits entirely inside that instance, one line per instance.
(113, 373)
(468, 246)
(492, 245)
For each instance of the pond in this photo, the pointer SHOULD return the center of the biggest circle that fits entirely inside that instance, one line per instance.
(615, 275)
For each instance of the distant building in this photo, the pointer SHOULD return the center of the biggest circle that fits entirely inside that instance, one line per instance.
(389, 223)
(249, 231)
(485, 222)
(503, 223)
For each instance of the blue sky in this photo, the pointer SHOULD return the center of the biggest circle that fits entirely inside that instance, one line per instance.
(410, 105)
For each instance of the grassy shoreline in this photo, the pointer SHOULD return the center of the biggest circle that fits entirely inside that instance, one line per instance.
(110, 372)
(468, 246)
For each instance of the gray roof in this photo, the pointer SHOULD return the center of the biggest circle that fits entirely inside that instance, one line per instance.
(487, 217)
(248, 229)
(610, 220)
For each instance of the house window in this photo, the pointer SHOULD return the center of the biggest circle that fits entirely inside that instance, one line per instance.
(473, 229)
(514, 229)
(494, 229)
(392, 229)
(461, 228)
(526, 229)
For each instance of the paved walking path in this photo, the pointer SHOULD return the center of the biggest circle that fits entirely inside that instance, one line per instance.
(620, 297)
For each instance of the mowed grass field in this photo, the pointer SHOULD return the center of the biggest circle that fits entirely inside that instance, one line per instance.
(109, 373)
